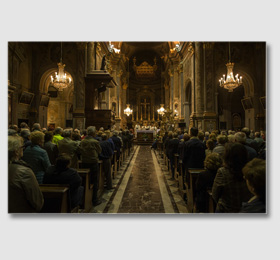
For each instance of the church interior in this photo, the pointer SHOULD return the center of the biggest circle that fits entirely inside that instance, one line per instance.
(141, 90)
(105, 78)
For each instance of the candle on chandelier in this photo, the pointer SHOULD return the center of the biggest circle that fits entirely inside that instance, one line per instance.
(240, 79)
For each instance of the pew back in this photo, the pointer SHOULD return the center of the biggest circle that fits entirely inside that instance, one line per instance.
(56, 198)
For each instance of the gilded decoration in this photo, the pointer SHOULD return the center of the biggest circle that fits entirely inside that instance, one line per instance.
(180, 68)
(145, 70)
(119, 74)
(170, 73)
(191, 49)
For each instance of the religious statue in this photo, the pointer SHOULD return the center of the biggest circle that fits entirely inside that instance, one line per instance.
(103, 63)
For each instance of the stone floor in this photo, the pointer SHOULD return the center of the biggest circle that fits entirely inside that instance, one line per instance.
(143, 185)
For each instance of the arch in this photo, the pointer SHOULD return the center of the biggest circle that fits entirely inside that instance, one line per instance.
(59, 108)
(248, 83)
(46, 79)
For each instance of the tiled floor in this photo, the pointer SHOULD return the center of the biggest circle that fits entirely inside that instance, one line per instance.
(143, 185)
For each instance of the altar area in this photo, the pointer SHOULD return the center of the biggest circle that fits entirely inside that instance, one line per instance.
(145, 136)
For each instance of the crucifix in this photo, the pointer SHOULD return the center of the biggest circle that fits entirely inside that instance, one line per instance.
(145, 108)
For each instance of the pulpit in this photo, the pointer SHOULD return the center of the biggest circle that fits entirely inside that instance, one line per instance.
(100, 118)
(96, 82)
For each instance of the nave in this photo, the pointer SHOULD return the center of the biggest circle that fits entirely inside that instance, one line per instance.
(143, 185)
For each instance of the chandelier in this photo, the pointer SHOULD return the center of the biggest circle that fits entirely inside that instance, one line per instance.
(161, 110)
(128, 111)
(60, 81)
(229, 82)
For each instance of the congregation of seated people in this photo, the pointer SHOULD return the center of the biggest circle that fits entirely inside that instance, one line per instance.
(233, 167)
(234, 164)
(40, 156)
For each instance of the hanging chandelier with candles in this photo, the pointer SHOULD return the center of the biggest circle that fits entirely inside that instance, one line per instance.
(161, 110)
(128, 111)
(228, 81)
(60, 80)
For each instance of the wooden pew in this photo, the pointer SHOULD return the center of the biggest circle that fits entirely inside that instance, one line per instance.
(101, 179)
(192, 175)
(176, 162)
(211, 203)
(181, 185)
(160, 147)
(114, 165)
(85, 175)
(56, 198)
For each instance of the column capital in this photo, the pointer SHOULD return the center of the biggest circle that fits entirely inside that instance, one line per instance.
(180, 68)
(119, 73)
(170, 73)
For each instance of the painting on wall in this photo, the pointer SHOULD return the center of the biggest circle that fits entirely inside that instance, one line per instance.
(44, 101)
(247, 103)
(263, 102)
(26, 98)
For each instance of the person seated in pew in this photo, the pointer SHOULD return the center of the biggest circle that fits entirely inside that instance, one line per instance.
(24, 194)
(254, 174)
(220, 147)
(50, 147)
(229, 188)
(194, 151)
(105, 156)
(205, 180)
(118, 143)
(210, 145)
(37, 157)
(61, 173)
(90, 150)
(171, 150)
(70, 147)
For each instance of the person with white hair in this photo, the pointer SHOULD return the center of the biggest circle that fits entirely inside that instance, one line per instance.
(24, 194)
(117, 142)
(220, 147)
(90, 150)
(36, 127)
(240, 137)
(25, 134)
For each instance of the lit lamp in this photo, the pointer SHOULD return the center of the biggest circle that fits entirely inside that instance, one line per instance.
(128, 111)
(161, 110)
(60, 81)
(230, 82)
(175, 112)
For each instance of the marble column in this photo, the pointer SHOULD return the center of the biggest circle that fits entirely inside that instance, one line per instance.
(90, 57)
(181, 91)
(176, 81)
(209, 114)
(171, 101)
(198, 79)
(119, 74)
(79, 87)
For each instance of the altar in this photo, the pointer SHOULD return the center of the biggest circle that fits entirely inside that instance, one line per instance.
(145, 135)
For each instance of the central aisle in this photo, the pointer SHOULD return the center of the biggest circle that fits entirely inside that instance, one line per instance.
(143, 188)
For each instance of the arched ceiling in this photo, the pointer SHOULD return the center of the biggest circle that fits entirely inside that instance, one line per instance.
(130, 48)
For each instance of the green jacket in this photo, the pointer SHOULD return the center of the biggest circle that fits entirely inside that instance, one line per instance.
(56, 139)
(90, 149)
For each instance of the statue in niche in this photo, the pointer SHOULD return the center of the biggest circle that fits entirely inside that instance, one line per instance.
(103, 63)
